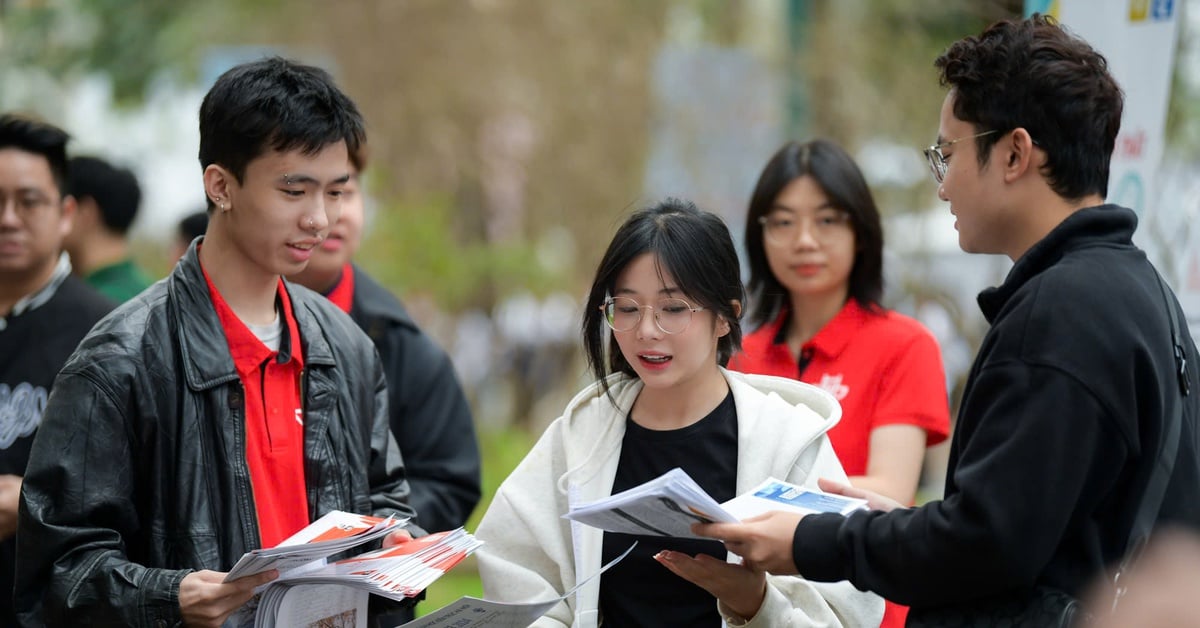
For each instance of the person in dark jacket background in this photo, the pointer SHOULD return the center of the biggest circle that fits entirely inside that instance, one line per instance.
(223, 409)
(430, 417)
(1074, 384)
(44, 310)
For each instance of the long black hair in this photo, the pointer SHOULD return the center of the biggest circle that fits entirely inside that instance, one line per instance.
(835, 172)
(695, 248)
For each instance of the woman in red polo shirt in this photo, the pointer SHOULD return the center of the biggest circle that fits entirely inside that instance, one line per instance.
(815, 248)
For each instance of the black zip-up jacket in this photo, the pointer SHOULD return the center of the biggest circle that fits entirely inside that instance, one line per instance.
(430, 417)
(1057, 436)
(138, 474)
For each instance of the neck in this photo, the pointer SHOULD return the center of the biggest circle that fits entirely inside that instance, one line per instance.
(810, 313)
(1045, 212)
(102, 250)
(682, 404)
(14, 287)
(250, 294)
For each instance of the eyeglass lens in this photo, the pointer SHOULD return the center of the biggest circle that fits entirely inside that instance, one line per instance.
(671, 315)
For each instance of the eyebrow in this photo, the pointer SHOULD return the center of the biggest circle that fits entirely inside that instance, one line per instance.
(826, 205)
(304, 179)
(667, 291)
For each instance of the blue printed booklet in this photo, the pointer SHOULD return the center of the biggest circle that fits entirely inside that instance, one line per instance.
(775, 494)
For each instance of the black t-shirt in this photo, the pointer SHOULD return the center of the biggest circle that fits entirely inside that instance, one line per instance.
(34, 346)
(638, 591)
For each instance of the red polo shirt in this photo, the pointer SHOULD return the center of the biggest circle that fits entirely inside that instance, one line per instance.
(274, 418)
(884, 368)
(342, 293)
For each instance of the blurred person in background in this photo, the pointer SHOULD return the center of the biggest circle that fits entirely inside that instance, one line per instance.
(1076, 384)
(222, 409)
(661, 319)
(107, 199)
(428, 410)
(44, 310)
(815, 247)
(189, 228)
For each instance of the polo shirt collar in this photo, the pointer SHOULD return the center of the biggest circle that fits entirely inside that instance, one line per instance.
(832, 339)
(247, 351)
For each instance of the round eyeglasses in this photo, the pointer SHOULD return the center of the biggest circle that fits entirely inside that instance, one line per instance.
(671, 315)
(782, 227)
(937, 160)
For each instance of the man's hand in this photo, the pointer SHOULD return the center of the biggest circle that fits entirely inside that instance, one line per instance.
(10, 496)
(875, 501)
(396, 538)
(205, 600)
(764, 542)
(742, 590)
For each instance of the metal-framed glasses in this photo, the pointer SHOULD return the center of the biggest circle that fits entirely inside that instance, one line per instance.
(937, 160)
(671, 315)
(782, 227)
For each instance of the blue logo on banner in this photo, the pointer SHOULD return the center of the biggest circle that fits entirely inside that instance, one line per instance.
(1162, 9)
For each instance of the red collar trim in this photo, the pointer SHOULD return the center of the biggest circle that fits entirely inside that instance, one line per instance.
(342, 293)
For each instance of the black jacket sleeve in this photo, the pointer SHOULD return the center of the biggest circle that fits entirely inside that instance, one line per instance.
(1038, 452)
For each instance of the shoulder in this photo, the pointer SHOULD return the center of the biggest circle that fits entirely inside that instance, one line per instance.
(889, 328)
(373, 302)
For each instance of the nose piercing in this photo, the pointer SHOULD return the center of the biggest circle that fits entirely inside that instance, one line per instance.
(312, 224)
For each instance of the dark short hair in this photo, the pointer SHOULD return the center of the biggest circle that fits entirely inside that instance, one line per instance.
(40, 138)
(834, 171)
(193, 225)
(115, 190)
(695, 247)
(1034, 74)
(274, 104)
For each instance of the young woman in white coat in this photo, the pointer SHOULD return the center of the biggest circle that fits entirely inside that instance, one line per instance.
(660, 322)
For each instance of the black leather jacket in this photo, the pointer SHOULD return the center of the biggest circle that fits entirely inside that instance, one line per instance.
(138, 474)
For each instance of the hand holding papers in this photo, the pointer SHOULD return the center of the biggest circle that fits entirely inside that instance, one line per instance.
(671, 503)
(308, 591)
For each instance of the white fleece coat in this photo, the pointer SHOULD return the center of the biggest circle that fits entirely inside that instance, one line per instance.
(532, 554)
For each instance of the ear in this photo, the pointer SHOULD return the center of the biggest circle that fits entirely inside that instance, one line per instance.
(1018, 155)
(66, 219)
(723, 326)
(217, 186)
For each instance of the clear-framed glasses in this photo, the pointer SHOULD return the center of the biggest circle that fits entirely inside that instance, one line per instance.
(782, 227)
(937, 161)
(26, 203)
(671, 315)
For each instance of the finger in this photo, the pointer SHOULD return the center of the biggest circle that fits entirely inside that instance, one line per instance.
(711, 530)
(254, 581)
(833, 486)
(396, 538)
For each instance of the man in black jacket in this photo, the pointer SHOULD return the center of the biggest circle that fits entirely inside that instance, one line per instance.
(222, 409)
(430, 417)
(1074, 383)
(44, 310)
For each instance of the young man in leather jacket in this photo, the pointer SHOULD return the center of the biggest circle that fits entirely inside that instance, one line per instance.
(222, 409)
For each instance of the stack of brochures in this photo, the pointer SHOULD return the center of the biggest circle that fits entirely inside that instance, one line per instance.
(310, 591)
(670, 504)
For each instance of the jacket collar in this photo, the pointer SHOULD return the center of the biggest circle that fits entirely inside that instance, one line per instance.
(204, 349)
(373, 302)
(1102, 225)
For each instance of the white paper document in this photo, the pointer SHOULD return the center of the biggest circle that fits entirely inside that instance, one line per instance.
(669, 504)
(472, 612)
(309, 593)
